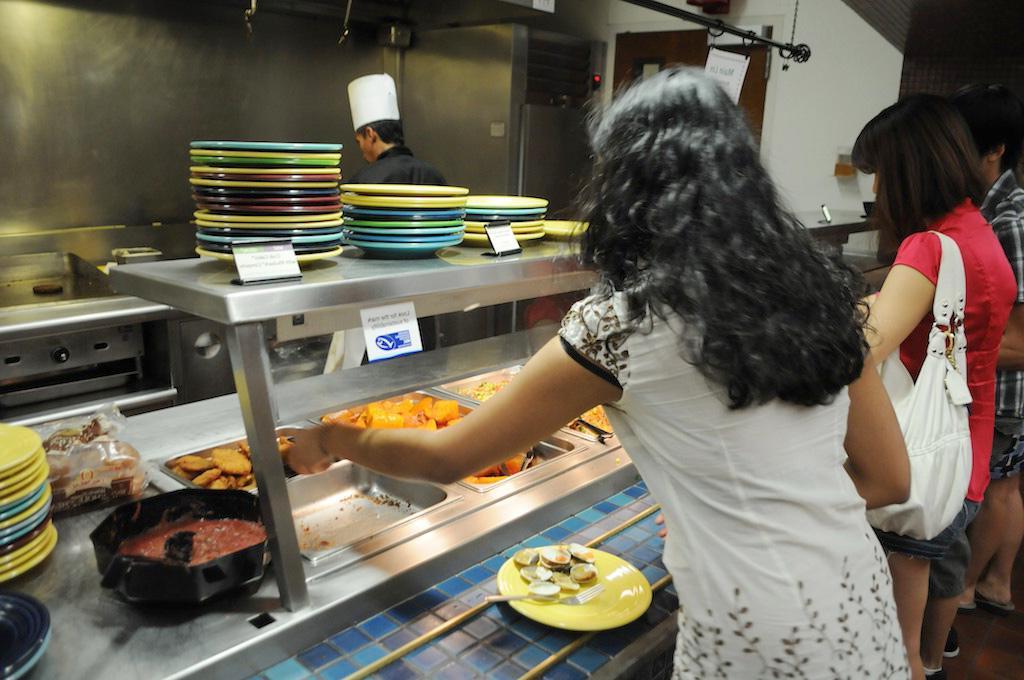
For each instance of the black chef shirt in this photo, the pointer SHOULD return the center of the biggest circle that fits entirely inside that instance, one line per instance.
(397, 165)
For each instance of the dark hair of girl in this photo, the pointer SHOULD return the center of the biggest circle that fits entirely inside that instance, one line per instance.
(994, 115)
(685, 220)
(926, 163)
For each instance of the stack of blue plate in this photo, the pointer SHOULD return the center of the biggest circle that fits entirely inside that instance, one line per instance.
(251, 191)
(24, 633)
(399, 221)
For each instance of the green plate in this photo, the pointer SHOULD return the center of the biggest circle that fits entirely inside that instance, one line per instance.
(402, 225)
(276, 162)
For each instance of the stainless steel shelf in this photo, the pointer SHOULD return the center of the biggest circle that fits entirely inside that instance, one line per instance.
(350, 281)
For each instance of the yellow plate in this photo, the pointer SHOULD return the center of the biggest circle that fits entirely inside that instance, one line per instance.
(267, 171)
(27, 472)
(506, 202)
(17, 446)
(263, 154)
(404, 201)
(404, 190)
(271, 225)
(31, 560)
(17, 493)
(25, 552)
(563, 230)
(197, 181)
(517, 232)
(480, 240)
(217, 217)
(308, 257)
(30, 510)
(626, 596)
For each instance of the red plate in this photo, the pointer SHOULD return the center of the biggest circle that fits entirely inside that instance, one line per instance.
(267, 178)
(262, 209)
(269, 200)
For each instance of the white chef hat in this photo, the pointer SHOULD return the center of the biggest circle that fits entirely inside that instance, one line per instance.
(373, 98)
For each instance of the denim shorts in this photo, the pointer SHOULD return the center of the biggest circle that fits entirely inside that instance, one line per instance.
(1007, 449)
(933, 548)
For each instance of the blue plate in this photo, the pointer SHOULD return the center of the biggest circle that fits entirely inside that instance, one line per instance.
(16, 531)
(401, 215)
(402, 251)
(231, 191)
(12, 509)
(510, 211)
(268, 233)
(399, 238)
(268, 146)
(313, 238)
(307, 249)
(431, 231)
(24, 633)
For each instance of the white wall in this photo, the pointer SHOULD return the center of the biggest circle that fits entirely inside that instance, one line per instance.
(813, 109)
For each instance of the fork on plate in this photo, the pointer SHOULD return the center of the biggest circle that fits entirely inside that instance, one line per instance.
(584, 597)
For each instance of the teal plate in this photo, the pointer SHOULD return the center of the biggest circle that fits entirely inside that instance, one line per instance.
(316, 238)
(269, 146)
(402, 251)
(503, 211)
(433, 231)
(408, 225)
(263, 162)
(401, 238)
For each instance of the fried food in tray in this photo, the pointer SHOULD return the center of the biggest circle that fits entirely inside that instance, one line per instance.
(223, 467)
(411, 411)
(596, 417)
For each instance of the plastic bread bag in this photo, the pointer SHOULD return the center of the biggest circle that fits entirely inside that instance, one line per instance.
(88, 464)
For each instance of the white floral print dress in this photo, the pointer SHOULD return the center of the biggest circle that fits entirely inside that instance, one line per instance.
(778, 573)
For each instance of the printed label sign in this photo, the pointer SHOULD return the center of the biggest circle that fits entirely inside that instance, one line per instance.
(503, 239)
(263, 261)
(729, 69)
(391, 331)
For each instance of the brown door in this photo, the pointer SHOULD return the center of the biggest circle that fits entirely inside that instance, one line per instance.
(640, 54)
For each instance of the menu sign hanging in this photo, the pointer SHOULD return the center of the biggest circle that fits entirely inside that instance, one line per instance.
(728, 69)
(266, 261)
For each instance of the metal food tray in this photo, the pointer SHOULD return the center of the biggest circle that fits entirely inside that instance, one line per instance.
(546, 450)
(286, 431)
(452, 388)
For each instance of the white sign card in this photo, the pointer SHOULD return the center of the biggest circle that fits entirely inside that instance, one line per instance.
(503, 239)
(265, 261)
(729, 69)
(391, 331)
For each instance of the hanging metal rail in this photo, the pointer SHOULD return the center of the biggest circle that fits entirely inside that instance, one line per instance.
(798, 53)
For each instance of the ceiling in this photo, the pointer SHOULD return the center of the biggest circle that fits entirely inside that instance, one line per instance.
(891, 18)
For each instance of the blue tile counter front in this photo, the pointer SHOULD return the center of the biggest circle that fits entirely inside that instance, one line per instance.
(498, 643)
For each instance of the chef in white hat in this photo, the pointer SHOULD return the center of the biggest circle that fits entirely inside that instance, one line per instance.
(378, 126)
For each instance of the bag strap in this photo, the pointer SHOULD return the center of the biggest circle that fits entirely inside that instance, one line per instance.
(951, 285)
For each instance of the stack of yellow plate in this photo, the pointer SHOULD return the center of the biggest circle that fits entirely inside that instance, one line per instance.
(27, 534)
(525, 213)
(564, 230)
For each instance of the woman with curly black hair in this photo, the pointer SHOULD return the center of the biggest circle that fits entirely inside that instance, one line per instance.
(731, 352)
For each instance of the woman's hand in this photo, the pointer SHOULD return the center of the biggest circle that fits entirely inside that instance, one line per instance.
(660, 521)
(307, 455)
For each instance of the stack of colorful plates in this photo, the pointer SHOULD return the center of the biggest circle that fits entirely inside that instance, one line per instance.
(251, 191)
(525, 213)
(403, 220)
(24, 634)
(27, 534)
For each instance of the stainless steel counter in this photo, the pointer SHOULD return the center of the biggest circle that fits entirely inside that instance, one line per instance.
(98, 635)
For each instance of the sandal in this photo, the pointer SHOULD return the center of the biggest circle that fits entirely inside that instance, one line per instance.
(992, 606)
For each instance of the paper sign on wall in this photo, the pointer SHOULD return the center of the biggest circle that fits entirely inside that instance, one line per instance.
(391, 331)
(729, 69)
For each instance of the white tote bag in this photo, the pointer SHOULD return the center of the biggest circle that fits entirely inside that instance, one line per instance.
(933, 414)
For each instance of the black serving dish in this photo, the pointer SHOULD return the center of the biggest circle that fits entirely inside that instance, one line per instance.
(144, 580)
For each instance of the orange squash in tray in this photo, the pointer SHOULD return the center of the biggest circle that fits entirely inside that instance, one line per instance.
(423, 414)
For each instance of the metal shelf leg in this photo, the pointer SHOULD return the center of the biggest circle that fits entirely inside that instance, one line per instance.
(255, 384)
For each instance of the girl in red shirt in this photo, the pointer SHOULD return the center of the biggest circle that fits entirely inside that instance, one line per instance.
(926, 180)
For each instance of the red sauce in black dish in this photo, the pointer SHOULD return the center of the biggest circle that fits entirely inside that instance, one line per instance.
(194, 541)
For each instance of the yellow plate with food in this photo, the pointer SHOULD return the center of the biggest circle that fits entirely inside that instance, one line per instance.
(506, 202)
(200, 182)
(329, 172)
(404, 189)
(564, 230)
(301, 258)
(223, 467)
(573, 569)
(401, 202)
(231, 153)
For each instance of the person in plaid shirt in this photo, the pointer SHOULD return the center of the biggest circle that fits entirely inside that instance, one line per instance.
(995, 117)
